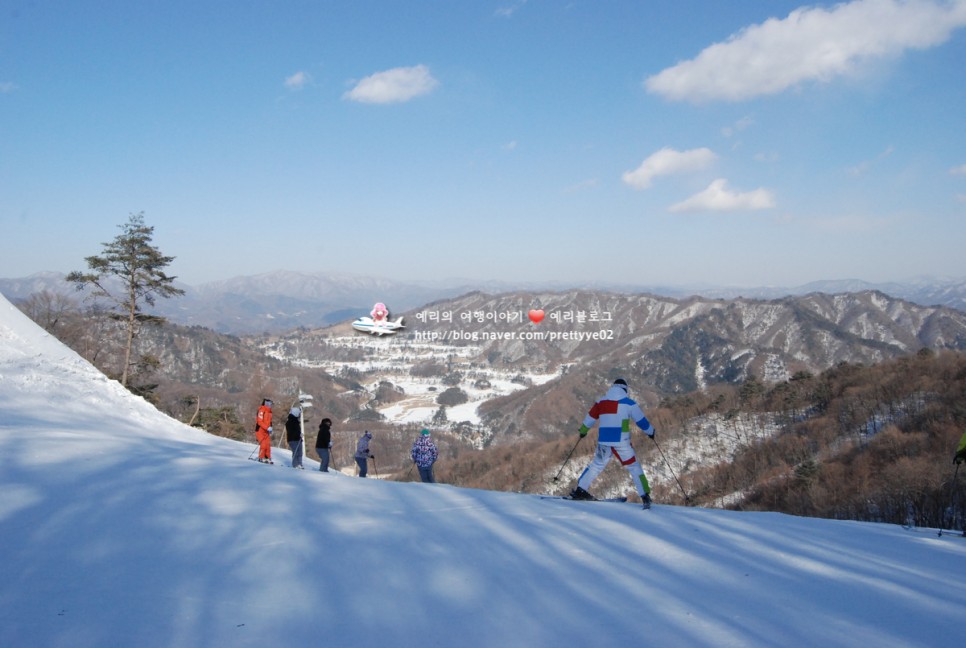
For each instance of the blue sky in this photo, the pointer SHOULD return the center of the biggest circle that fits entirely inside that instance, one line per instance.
(741, 143)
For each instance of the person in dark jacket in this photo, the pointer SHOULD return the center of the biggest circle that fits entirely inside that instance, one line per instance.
(323, 442)
(293, 432)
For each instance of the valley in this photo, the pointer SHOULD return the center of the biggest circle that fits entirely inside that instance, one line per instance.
(411, 379)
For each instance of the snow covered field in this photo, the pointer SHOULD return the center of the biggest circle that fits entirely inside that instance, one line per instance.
(122, 527)
(391, 359)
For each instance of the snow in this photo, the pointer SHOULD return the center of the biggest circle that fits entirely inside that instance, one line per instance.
(392, 360)
(122, 527)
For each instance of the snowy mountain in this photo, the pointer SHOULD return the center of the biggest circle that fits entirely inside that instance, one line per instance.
(925, 291)
(679, 343)
(123, 527)
(274, 301)
(509, 367)
(283, 300)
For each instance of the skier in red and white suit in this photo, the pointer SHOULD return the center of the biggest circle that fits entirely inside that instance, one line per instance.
(615, 412)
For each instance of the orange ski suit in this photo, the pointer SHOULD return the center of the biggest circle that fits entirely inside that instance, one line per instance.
(263, 423)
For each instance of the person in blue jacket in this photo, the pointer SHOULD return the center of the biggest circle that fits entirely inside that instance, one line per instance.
(615, 412)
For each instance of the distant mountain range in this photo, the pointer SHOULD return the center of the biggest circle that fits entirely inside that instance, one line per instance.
(281, 301)
(663, 345)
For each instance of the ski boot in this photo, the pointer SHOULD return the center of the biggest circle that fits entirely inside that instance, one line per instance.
(646, 501)
(580, 494)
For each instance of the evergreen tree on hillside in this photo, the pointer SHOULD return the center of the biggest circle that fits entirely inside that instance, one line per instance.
(137, 270)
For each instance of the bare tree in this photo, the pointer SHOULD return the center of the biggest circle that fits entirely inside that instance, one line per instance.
(49, 309)
(138, 268)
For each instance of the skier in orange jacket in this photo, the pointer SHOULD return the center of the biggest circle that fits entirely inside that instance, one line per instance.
(263, 431)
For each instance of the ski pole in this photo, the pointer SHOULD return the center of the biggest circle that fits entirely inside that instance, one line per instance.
(579, 439)
(952, 488)
(410, 471)
(687, 500)
(956, 504)
(375, 471)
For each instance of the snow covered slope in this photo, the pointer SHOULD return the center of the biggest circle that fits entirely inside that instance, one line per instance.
(122, 527)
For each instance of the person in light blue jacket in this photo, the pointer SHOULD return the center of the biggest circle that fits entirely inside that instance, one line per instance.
(363, 454)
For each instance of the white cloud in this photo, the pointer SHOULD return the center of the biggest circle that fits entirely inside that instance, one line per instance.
(811, 44)
(738, 126)
(508, 10)
(393, 86)
(590, 183)
(850, 223)
(667, 161)
(958, 170)
(862, 167)
(296, 81)
(718, 197)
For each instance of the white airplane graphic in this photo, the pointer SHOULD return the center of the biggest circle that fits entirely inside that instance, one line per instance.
(380, 328)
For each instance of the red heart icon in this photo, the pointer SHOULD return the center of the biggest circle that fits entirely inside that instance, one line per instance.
(536, 316)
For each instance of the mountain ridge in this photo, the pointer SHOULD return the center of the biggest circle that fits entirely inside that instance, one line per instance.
(283, 300)
(664, 346)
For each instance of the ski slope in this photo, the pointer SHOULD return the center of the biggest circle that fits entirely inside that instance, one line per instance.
(122, 527)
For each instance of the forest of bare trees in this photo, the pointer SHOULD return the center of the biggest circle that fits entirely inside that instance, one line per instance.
(862, 443)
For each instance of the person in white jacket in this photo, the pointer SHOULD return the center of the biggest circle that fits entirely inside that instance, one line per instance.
(615, 412)
(363, 454)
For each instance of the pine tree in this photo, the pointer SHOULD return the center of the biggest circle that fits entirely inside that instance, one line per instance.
(138, 268)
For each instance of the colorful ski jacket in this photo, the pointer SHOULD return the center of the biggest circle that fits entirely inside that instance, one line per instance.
(424, 452)
(614, 412)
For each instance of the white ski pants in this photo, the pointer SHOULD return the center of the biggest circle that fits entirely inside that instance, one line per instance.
(625, 454)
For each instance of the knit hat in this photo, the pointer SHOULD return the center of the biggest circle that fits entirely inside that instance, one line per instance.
(295, 411)
(425, 432)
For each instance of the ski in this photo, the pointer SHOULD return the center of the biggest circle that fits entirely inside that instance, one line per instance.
(568, 497)
(938, 532)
